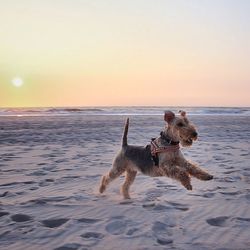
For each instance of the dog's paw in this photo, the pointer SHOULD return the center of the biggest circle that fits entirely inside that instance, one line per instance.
(102, 189)
(208, 177)
(189, 187)
(102, 186)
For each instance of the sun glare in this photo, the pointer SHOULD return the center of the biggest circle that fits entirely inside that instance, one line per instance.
(17, 82)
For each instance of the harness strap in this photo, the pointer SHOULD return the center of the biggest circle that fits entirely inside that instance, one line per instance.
(155, 149)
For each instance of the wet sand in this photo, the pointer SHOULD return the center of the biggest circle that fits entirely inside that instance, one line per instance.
(50, 169)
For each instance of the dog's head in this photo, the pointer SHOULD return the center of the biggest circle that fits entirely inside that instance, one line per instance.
(180, 129)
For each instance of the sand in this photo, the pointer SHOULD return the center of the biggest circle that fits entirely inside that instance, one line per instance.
(50, 168)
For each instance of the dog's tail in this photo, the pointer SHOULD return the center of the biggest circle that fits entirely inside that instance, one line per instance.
(125, 133)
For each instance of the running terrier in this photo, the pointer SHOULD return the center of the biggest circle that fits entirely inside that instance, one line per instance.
(161, 158)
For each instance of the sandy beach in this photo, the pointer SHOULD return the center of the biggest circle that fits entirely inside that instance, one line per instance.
(50, 169)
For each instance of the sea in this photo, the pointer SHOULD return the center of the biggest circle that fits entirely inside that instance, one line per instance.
(131, 110)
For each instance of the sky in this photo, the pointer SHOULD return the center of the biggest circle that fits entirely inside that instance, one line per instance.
(124, 53)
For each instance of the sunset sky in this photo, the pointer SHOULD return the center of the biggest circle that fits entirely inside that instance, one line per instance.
(124, 52)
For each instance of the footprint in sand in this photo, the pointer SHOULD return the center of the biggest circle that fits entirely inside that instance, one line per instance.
(162, 233)
(225, 221)
(221, 221)
(70, 246)
(52, 223)
(20, 217)
(92, 235)
(92, 238)
(88, 220)
(164, 241)
(116, 227)
(3, 213)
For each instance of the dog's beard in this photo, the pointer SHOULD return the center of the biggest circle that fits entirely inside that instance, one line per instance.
(186, 142)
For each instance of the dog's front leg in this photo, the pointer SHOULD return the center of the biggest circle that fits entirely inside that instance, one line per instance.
(194, 170)
(178, 174)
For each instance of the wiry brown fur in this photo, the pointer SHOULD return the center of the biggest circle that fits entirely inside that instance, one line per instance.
(132, 159)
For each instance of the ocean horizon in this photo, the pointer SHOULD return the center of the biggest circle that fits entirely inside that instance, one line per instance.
(121, 110)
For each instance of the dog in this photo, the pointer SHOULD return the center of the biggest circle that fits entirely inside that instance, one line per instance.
(162, 157)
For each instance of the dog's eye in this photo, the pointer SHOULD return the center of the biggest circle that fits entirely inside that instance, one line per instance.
(180, 124)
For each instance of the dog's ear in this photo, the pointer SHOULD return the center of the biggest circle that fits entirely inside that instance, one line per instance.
(182, 113)
(169, 116)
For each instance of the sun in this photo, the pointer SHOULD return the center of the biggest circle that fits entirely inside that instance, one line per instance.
(17, 82)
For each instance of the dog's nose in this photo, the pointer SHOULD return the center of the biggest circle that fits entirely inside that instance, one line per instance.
(195, 134)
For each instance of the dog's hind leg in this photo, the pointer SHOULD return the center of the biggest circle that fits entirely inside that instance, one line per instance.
(117, 169)
(129, 179)
(110, 176)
